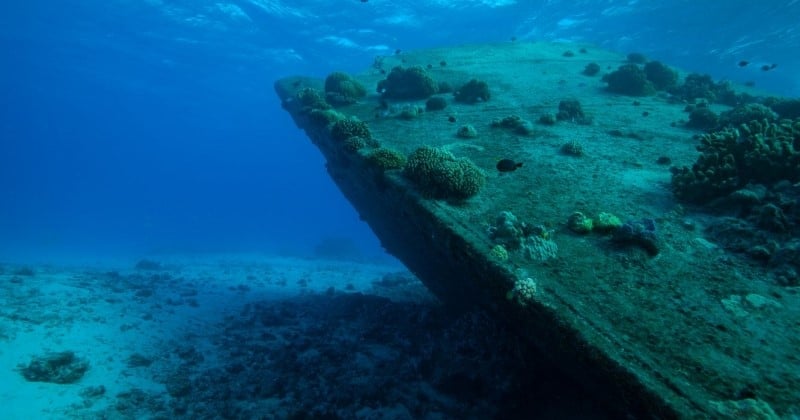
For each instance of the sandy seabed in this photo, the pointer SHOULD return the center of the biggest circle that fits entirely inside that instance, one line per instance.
(261, 337)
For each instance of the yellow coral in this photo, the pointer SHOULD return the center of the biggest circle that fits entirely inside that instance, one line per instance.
(607, 222)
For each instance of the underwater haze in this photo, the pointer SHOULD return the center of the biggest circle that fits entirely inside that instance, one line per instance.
(147, 125)
(172, 245)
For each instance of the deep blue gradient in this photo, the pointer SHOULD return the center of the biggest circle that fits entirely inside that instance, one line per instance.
(138, 126)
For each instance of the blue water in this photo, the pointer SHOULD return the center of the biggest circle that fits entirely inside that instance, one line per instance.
(136, 126)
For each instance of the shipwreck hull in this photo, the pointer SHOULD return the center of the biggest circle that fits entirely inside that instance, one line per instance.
(645, 331)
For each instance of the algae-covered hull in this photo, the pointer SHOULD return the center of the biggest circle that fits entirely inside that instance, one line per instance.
(577, 239)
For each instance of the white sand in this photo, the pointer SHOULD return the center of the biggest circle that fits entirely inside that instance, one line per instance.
(103, 320)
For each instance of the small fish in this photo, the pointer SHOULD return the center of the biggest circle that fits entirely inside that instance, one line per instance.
(508, 165)
(768, 67)
(743, 63)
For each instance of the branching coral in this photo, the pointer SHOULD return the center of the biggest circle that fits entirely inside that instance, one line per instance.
(758, 152)
(743, 114)
(532, 241)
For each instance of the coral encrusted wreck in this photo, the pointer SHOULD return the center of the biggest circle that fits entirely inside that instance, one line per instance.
(439, 174)
(760, 152)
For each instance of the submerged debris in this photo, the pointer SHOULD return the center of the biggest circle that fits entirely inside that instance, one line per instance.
(628, 158)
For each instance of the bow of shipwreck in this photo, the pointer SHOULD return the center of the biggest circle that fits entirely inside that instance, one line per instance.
(644, 321)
